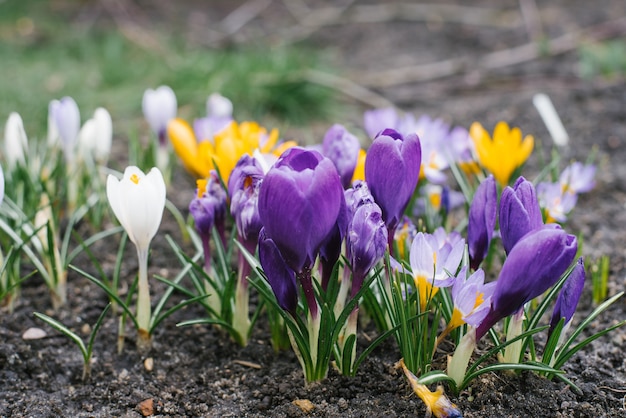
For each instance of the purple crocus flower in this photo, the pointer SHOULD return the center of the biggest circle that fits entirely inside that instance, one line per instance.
(66, 118)
(519, 212)
(280, 276)
(568, 298)
(159, 107)
(343, 150)
(299, 202)
(377, 120)
(471, 297)
(244, 184)
(392, 171)
(534, 264)
(366, 242)
(482, 221)
(556, 202)
(209, 204)
(578, 178)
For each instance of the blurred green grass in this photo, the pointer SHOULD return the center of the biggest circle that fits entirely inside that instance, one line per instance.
(46, 53)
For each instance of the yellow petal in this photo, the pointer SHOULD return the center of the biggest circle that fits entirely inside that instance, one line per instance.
(184, 143)
(359, 170)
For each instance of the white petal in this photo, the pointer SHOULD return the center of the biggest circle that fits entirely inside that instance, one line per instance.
(104, 134)
(15, 140)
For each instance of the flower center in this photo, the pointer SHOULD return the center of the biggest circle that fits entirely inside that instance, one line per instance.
(134, 178)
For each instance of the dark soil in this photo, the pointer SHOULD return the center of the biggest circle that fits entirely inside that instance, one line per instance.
(198, 371)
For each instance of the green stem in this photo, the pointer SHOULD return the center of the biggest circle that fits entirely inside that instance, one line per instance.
(241, 319)
(143, 302)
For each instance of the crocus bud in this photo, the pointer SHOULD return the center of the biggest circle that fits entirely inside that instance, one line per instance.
(366, 242)
(568, 298)
(219, 106)
(281, 278)
(534, 264)
(343, 150)
(15, 140)
(159, 107)
(392, 171)
(482, 221)
(299, 203)
(519, 212)
(356, 196)
(208, 207)
(243, 187)
(66, 119)
(138, 201)
(96, 135)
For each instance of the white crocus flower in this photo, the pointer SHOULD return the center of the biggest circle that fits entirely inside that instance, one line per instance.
(219, 106)
(159, 107)
(138, 201)
(96, 136)
(15, 140)
(64, 124)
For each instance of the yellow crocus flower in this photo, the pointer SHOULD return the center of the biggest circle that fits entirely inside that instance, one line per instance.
(504, 153)
(437, 403)
(236, 140)
(197, 157)
(227, 147)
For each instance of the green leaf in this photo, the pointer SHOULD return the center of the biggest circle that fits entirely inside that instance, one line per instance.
(65, 331)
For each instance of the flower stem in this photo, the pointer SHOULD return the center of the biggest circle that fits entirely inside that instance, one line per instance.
(143, 302)
(513, 351)
(241, 320)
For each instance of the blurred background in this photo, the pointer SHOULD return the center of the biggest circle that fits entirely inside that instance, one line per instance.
(295, 63)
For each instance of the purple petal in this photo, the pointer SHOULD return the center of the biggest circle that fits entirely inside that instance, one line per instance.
(281, 278)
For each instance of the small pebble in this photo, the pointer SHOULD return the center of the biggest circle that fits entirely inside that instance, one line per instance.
(305, 405)
(34, 334)
(148, 364)
(146, 407)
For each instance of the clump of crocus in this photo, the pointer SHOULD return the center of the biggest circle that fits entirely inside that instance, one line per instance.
(535, 263)
(482, 221)
(504, 153)
(138, 201)
(299, 203)
(208, 209)
(519, 212)
(343, 150)
(392, 171)
(243, 186)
